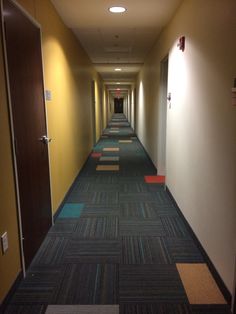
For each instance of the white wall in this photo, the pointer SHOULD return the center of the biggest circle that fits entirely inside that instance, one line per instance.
(201, 123)
(132, 107)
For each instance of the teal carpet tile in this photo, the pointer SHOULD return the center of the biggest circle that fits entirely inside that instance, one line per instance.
(71, 210)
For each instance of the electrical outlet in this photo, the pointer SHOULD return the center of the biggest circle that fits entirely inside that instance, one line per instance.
(4, 242)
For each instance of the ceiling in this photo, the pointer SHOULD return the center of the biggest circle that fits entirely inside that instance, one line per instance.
(117, 40)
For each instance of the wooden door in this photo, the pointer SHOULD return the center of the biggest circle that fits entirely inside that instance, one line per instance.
(24, 64)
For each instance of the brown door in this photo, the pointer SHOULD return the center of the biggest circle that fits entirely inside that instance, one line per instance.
(24, 61)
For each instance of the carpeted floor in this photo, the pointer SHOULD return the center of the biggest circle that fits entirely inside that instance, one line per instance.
(118, 244)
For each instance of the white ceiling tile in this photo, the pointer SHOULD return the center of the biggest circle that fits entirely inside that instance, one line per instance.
(109, 38)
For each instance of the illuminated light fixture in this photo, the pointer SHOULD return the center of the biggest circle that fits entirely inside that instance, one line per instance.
(118, 69)
(117, 9)
(118, 83)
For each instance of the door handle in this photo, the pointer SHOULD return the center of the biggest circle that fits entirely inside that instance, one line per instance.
(45, 139)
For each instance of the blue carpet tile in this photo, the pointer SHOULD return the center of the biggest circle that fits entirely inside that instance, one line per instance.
(116, 242)
(71, 210)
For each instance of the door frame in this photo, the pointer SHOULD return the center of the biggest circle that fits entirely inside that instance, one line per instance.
(93, 108)
(10, 112)
(162, 113)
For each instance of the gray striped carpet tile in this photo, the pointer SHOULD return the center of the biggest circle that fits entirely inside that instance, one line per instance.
(81, 186)
(95, 198)
(98, 178)
(82, 309)
(150, 283)
(183, 250)
(210, 309)
(51, 251)
(97, 228)
(137, 210)
(174, 226)
(138, 197)
(100, 210)
(39, 286)
(63, 227)
(165, 210)
(109, 158)
(134, 187)
(88, 284)
(163, 198)
(91, 187)
(144, 250)
(134, 171)
(122, 179)
(145, 227)
(92, 251)
(154, 308)
(25, 309)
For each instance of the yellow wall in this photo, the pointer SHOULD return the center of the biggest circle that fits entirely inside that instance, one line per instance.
(9, 262)
(68, 73)
(201, 122)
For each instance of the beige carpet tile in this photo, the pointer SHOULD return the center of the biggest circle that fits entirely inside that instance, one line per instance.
(111, 149)
(108, 168)
(199, 284)
(125, 141)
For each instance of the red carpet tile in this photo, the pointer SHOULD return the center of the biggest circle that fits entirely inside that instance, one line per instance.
(154, 179)
(96, 155)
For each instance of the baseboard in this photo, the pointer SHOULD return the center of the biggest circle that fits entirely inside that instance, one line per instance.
(6, 300)
(226, 293)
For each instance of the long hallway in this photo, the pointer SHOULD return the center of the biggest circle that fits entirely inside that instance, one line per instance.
(119, 244)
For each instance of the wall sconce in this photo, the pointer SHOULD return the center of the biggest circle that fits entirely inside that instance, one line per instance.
(181, 43)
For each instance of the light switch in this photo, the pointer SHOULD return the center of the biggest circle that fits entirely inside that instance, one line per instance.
(4, 242)
(48, 95)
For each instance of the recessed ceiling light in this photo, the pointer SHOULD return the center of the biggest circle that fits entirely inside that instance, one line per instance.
(118, 69)
(117, 9)
(118, 83)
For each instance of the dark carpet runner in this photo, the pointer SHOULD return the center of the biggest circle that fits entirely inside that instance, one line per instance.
(116, 243)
